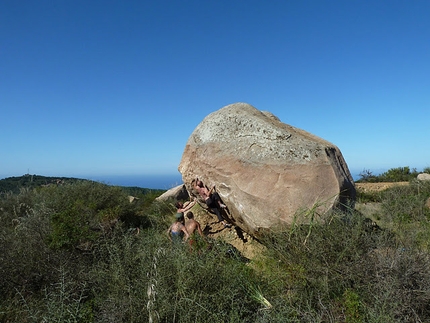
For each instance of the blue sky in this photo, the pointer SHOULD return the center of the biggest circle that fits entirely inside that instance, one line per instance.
(113, 88)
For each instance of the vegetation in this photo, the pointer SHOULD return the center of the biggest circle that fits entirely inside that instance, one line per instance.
(399, 174)
(143, 196)
(14, 184)
(71, 253)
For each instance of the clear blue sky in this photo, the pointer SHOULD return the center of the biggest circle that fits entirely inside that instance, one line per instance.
(98, 88)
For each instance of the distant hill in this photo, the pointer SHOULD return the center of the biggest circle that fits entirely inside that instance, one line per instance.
(14, 184)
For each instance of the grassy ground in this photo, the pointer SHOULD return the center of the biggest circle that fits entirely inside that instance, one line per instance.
(71, 253)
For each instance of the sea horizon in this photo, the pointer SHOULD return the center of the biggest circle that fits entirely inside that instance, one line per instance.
(162, 182)
(154, 181)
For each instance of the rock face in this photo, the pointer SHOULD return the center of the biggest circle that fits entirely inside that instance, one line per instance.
(264, 170)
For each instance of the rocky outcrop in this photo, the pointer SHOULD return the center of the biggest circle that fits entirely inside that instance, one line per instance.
(423, 177)
(265, 170)
(177, 193)
(132, 199)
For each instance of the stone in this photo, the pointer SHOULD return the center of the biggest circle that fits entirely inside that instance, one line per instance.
(177, 193)
(423, 177)
(264, 170)
(132, 199)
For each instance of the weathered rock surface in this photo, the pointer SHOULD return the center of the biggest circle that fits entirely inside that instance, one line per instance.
(177, 193)
(423, 177)
(264, 170)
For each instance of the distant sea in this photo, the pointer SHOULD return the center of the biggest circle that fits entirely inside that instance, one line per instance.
(163, 182)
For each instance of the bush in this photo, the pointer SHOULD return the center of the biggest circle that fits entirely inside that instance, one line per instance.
(367, 176)
(339, 267)
(83, 211)
(145, 276)
(366, 197)
(398, 174)
(48, 242)
(323, 262)
(346, 269)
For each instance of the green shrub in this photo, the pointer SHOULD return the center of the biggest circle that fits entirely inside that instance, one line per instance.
(42, 273)
(143, 276)
(339, 267)
(353, 308)
(81, 212)
(367, 176)
(214, 284)
(334, 270)
(320, 262)
(406, 204)
(366, 197)
(404, 209)
(398, 174)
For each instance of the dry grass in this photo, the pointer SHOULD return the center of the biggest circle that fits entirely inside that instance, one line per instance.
(377, 187)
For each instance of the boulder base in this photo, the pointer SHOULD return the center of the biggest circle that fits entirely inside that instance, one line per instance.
(265, 170)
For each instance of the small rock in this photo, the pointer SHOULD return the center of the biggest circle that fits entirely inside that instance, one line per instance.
(178, 193)
(423, 177)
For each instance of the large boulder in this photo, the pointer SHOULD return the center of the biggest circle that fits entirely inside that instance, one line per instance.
(264, 170)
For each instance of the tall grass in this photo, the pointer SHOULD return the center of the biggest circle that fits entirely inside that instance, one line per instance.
(338, 267)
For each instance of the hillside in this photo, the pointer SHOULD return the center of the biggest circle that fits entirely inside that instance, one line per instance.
(15, 184)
